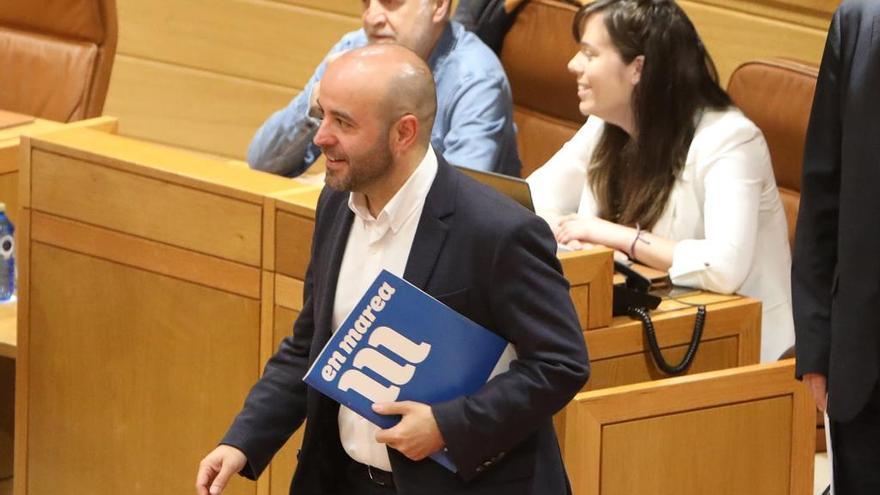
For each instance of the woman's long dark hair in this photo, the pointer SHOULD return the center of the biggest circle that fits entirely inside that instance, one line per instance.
(632, 177)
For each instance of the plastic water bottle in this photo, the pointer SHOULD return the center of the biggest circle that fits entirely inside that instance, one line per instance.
(7, 256)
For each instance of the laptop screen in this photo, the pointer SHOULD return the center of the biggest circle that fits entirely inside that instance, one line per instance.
(513, 187)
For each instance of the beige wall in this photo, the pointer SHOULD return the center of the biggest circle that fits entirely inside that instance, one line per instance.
(204, 74)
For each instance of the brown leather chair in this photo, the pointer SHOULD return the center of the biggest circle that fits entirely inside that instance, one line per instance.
(56, 57)
(535, 54)
(777, 95)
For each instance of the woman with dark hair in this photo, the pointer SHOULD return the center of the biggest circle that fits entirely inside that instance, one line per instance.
(665, 169)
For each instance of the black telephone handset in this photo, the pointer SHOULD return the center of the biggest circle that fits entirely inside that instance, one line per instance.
(633, 293)
(632, 298)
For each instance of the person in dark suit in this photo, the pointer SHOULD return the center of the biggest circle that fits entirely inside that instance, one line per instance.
(393, 203)
(836, 267)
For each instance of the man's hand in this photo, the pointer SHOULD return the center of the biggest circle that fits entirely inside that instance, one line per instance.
(819, 388)
(216, 469)
(417, 435)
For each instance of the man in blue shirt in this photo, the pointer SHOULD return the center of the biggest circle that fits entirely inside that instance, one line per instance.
(474, 123)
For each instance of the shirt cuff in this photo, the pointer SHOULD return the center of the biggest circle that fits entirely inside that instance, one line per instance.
(688, 262)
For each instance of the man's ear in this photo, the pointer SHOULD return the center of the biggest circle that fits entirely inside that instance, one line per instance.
(441, 10)
(404, 133)
(636, 67)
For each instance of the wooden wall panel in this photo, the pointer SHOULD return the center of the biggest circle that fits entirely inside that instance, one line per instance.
(253, 39)
(350, 7)
(110, 310)
(204, 74)
(815, 13)
(347, 7)
(193, 108)
(734, 37)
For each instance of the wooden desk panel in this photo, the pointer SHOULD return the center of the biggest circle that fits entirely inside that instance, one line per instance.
(590, 273)
(731, 337)
(739, 432)
(294, 215)
(129, 369)
(743, 430)
(10, 140)
(151, 191)
(290, 241)
(13, 119)
(146, 207)
(38, 126)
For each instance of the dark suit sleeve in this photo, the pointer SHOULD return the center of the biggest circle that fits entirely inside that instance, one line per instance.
(815, 253)
(276, 405)
(530, 302)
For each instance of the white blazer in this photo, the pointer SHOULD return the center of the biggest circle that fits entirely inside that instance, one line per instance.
(724, 210)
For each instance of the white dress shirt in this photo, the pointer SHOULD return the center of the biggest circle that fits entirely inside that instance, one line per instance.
(375, 244)
(724, 210)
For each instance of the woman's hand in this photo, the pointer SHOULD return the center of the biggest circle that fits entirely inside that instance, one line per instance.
(574, 230)
(651, 250)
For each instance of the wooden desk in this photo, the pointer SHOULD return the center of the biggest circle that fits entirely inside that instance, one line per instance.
(141, 312)
(741, 430)
(12, 119)
(10, 138)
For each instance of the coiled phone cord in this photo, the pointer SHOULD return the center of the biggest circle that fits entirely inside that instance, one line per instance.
(645, 317)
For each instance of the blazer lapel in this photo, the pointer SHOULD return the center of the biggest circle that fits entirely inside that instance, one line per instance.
(432, 229)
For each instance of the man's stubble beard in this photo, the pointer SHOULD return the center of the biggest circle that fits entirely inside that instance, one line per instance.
(365, 170)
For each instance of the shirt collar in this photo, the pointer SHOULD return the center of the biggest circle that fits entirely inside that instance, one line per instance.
(444, 46)
(409, 198)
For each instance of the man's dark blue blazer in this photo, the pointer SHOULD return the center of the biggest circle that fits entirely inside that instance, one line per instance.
(835, 280)
(494, 262)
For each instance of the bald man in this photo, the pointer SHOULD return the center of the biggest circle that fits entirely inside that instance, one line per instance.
(392, 203)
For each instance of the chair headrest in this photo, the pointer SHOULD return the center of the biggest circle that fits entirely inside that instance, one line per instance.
(777, 95)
